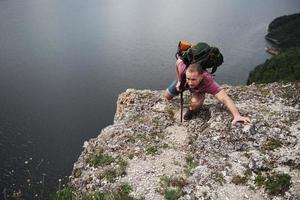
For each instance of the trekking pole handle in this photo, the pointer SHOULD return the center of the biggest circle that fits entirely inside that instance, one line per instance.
(182, 82)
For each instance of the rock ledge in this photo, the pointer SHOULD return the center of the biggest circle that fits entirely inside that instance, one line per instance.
(205, 158)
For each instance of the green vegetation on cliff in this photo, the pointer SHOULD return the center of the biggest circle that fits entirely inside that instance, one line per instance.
(284, 33)
(121, 194)
(284, 67)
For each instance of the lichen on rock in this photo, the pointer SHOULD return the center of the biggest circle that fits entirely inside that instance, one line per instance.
(213, 158)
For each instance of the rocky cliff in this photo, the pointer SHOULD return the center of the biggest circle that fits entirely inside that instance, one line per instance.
(148, 149)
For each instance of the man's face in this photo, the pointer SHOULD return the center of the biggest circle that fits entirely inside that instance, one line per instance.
(193, 79)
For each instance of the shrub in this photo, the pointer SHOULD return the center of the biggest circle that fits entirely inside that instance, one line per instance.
(274, 184)
(172, 186)
(151, 150)
(278, 184)
(172, 194)
(260, 180)
(218, 177)
(191, 164)
(98, 158)
(271, 144)
(64, 194)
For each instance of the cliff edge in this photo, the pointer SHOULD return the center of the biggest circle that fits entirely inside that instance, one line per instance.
(157, 157)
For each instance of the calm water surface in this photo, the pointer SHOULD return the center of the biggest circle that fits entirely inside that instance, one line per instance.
(63, 64)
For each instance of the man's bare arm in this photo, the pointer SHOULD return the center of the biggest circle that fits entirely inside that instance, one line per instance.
(225, 99)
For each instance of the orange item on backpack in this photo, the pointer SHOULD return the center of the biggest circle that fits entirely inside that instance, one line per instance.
(184, 45)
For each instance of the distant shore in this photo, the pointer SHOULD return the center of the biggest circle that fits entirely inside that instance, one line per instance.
(284, 36)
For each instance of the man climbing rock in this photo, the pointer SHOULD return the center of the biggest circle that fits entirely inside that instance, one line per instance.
(199, 82)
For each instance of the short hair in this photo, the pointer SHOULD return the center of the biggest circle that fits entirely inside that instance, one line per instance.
(195, 67)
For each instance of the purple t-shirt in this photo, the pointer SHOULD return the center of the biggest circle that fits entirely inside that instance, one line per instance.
(207, 85)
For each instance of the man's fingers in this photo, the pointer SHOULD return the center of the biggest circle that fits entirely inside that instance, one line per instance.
(244, 120)
(247, 119)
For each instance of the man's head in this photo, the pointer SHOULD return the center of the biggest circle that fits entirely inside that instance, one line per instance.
(194, 75)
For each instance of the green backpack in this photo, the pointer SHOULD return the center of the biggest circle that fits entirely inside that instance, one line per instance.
(202, 53)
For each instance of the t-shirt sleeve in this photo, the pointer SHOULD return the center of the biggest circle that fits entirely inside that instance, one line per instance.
(212, 86)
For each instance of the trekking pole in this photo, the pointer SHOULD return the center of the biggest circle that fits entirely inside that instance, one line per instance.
(181, 89)
(181, 106)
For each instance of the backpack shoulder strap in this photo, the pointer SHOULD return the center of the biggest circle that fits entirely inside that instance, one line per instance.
(214, 69)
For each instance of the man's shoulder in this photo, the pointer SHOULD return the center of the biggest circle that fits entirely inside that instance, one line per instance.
(208, 76)
(209, 84)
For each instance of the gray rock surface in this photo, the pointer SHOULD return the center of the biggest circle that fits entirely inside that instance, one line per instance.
(208, 153)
